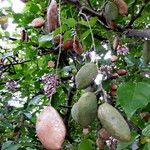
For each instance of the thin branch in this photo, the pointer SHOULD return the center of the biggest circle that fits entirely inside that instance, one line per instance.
(135, 17)
(143, 33)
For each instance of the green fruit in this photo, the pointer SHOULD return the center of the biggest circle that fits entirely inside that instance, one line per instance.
(86, 75)
(113, 122)
(146, 51)
(74, 112)
(111, 11)
(84, 111)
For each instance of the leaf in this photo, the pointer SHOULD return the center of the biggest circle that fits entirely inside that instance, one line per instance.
(133, 96)
(146, 131)
(45, 39)
(147, 146)
(86, 144)
(71, 22)
(36, 100)
(85, 34)
(10, 146)
(93, 21)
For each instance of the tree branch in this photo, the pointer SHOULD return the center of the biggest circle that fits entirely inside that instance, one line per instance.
(145, 33)
(134, 17)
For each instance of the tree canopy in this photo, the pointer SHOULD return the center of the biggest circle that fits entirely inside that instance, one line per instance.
(45, 61)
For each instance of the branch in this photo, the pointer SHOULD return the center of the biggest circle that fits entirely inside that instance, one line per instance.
(145, 33)
(133, 18)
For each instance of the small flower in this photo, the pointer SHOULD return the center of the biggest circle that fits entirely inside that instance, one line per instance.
(51, 81)
(122, 50)
(11, 84)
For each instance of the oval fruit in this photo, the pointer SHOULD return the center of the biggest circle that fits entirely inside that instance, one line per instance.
(38, 22)
(122, 6)
(84, 111)
(50, 129)
(86, 75)
(111, 11)
(52, 16)
(113, 122)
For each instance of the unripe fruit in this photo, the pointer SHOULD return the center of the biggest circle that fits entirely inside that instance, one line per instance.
(100, 143)
(122, 6)
(68, 44)
(38, 22)
(146, 51)
(86, 75)
(52, 16)
(111, 11)
(50, 129)
(113, 122)
(121, 72)
(104, 134)
(84, 111)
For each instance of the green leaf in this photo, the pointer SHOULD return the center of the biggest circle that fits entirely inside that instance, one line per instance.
(71, 22)
(10, 146)
(34, 8)
(147, 146)
(93, 21)
(146, 131)
(86, 144)
(133, 96)
(45, 39)
(85, 34)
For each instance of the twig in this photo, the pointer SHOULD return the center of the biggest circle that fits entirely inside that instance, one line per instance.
(133, 18)
(60, 38)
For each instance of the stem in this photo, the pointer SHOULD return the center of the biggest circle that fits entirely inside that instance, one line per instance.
(60, 38)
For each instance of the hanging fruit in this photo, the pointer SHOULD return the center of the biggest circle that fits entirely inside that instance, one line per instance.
(84, 111)
(86, 75)
(111, 11)
(122, 6)
(50, 129)
(52, 16)
(113, 122)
